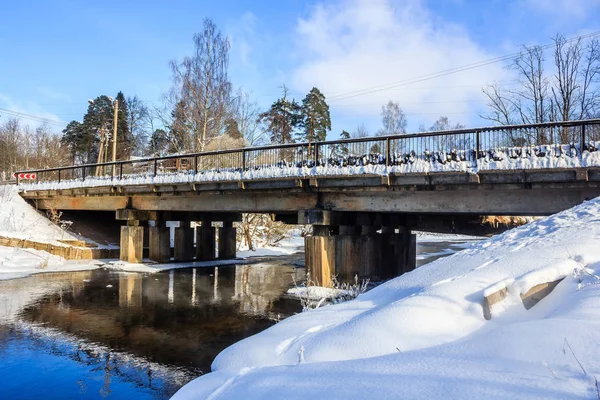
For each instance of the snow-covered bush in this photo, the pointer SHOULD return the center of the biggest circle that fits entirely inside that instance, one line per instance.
(313, 296)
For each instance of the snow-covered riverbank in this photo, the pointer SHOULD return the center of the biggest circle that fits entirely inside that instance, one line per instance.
(423, 335)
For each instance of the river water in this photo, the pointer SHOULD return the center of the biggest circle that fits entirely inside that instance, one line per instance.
(115, 335)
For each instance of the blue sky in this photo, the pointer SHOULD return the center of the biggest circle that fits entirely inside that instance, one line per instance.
(57, 54)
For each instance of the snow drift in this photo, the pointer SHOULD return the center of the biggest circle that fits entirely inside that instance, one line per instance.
(423, 335)
(19, 220)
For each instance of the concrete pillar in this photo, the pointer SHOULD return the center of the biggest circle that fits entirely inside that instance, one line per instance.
(227, 247)
(369, 255)
(132, 242)
(159, 240)
(319, 253)
(205, 242)
(392, 263)
(399, 252)
(184, 242)
(411, 255)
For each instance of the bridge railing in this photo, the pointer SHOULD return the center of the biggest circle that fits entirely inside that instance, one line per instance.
(561, 139)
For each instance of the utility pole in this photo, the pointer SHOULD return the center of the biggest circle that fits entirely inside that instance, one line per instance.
(101, 150)
(114, 138)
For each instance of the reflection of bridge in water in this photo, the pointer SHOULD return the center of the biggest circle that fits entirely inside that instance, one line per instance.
(364, 197)
(166, 323)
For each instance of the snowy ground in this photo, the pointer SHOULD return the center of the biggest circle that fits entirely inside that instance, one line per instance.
(19, 220)
(18, 263)
(423, 335)
(287, 246)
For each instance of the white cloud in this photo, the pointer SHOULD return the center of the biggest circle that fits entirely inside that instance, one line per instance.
(354, 45)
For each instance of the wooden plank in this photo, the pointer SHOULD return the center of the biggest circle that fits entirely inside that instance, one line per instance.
(538, 292)
(491, 299)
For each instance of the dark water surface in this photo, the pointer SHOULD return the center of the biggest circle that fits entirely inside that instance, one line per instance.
(115, 335)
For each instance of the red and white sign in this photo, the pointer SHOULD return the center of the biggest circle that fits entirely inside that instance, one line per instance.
(25, 176)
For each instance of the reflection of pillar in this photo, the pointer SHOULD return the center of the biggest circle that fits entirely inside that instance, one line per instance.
(130, 291)
(216, 296)
(205, 242)
(132, 242)
(171, 294)
(227, 241)
(184, 242)
(194, 301)
(159, 242)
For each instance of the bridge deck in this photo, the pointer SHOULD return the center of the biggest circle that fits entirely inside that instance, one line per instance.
(534, 169)
(536, 192)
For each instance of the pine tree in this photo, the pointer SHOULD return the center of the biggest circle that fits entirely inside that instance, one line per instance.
(232, 129)
(159, 142)
(125, 140)
(343, 148)
(315, 121)
(80, 144)
(281, 120)
(98, 126)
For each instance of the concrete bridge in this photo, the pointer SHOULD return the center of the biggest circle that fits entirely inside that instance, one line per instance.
(362, 196)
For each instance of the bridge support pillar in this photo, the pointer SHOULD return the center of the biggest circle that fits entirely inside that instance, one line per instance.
(227, 246)
(132, 242)
(184, 242)
(160, 242)
(205, 242)
(398, 251)
(346, 245)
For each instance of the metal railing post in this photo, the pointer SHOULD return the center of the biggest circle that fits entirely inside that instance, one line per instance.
(155, 167)
(316, 154)
(83, 173)
(387, 152)
(243, 160)
(477, 146)
(195, 165)
(59, 176)
(120, 171)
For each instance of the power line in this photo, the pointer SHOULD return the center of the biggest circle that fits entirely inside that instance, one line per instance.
(446, 72)
(32, 117)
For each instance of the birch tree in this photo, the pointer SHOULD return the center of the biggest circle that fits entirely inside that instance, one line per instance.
(201, 82)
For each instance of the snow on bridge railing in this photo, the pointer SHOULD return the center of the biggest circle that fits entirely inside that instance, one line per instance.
(547, 145)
